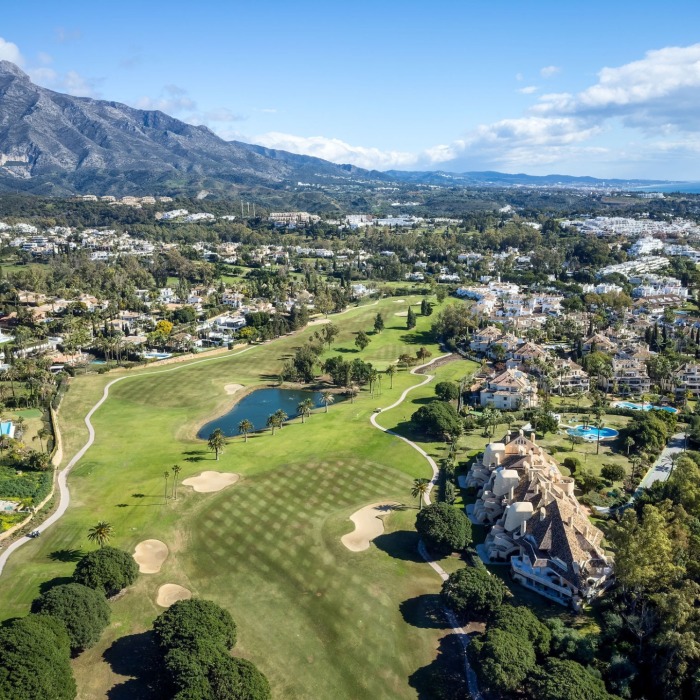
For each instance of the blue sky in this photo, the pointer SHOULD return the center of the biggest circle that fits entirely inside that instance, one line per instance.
(594, 88)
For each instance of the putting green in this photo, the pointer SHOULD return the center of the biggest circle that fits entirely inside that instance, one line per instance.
(318, 620)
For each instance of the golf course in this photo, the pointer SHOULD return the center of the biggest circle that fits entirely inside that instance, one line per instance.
(319, 620)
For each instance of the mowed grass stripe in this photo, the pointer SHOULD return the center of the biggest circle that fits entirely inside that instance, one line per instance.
(320, 621)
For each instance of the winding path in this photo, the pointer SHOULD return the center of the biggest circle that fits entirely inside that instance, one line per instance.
(463, 637)
(63, 492)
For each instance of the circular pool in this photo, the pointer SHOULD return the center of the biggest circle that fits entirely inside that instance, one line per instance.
(593, 434)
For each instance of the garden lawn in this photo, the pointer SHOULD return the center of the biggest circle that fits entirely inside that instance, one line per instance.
(318, 620)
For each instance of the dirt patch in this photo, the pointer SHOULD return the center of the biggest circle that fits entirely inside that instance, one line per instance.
(232, 388)
(170, 593)
(399, 301)
(150, 555)
(402, 313)
(319, 321)
(208, 482)
(368, 525)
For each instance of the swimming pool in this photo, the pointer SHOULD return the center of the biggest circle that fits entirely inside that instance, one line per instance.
(644, 407)
(157, 355)
(591, 434)
(7, 428)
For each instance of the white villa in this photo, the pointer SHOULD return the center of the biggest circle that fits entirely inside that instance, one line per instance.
(510, 390)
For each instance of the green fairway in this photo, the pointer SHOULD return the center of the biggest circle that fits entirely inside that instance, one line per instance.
(318, 620)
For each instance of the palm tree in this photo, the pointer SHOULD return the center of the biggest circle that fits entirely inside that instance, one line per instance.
(167, 476)
(176, 470)
(327, 398)
(281, 417)
(391, 371)
(245, 427)
(100, 533)
(217, 442)
(629, 443)
(352, 392)
(304, 408)
(273, 422)
(598, 424)
(419, 490)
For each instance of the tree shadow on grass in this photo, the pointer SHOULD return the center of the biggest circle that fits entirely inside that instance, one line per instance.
(402, 544)
(137, 656)
(45, 586)
(194, 453)
(424, 611)
(444, 677)
(66, 555)
(195, 459)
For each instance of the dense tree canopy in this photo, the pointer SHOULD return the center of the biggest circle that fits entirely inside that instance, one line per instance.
(567, 680)
(187, 621)
(82, 610)
(505, 661)
(521, 622)
(447, 391)
(438, 419)
(473, 593)
(107, 570)
(35, 660)
(445, 529)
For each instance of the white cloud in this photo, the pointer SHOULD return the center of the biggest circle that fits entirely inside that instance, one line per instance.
(70, 82)
(172, 100)
(10, 52)
(549, 71)
(658, 92)
(337, 151)
(528, 90)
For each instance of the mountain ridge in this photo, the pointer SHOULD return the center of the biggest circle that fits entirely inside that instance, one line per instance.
(57, 144)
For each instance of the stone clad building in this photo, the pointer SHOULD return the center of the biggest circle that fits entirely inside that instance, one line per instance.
(537, 524)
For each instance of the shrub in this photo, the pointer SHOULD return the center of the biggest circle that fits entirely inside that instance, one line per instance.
(613, 472)
(473, 593)
(444, 528)
(572, 464)
(107, 570)
(35, 660)
(82, 610)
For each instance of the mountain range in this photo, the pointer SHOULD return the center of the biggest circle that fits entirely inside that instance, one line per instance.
(57, 144)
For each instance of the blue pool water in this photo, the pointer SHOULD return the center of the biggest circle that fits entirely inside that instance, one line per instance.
(644, 407)
(6, 428)
(258, 406)
(157, 355)
(591, 433)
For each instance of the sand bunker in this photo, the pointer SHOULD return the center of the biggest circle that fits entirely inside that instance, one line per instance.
(399, 301)
(150, 555)
(208, 482)
(368, 525)
(402, 313)
(233, 388)
(170, 593)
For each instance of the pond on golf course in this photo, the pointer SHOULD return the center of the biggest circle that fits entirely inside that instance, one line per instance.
(258, 406)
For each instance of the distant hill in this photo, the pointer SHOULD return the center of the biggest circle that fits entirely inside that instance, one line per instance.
(52, 143)
(56, 144)
(496, 179)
